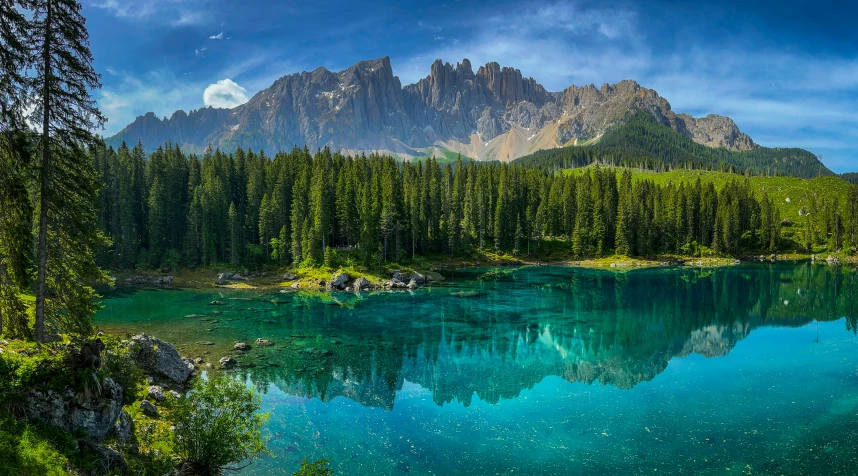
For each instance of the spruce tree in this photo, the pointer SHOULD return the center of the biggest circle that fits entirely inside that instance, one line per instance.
(15, 206)
(67, 190)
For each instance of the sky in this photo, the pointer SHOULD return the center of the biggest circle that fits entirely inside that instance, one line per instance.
(786, 71)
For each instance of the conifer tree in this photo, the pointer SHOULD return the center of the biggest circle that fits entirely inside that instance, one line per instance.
(67, 113)
(15, 207)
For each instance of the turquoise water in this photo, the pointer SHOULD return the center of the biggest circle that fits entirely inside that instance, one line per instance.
(543, 370)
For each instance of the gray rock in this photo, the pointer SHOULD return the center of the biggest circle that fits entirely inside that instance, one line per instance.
(338, 281)
(241, 346)
(111, 461)
(93, 411)
(148, 408)
(156, 393)
(412, 284)
(175, 394)
(122, 428)
(164, 282)
(264, 342)
(227, 363)
(289, 277)
(159, 357)
(295, 286)
(360, 284)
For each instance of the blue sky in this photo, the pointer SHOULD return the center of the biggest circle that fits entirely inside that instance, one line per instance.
(786, 71)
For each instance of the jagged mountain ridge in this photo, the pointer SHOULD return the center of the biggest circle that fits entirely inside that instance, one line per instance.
(493, 113)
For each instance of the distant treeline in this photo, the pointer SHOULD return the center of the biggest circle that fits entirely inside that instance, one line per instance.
(249, 209)
(642, 142)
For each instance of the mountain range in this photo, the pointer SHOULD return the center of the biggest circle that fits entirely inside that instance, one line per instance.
(492, 114)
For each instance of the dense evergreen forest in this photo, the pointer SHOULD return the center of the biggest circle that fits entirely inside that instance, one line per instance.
(177, 210)
(642, 142)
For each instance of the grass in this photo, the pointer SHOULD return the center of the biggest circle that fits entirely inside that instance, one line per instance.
(27, 449)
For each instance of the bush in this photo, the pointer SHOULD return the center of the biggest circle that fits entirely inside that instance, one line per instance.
(116, 364)
(217, 425)
(316, 468)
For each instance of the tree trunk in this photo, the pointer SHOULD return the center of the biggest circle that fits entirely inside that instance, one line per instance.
(42, 248)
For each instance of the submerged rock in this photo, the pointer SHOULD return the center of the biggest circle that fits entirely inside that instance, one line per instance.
(241, 346)
(159, 357)
(264, 342)
(227, 363)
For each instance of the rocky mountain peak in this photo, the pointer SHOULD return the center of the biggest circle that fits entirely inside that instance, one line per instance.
(495, 113)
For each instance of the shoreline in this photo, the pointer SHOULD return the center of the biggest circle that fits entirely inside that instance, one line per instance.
(315, 279)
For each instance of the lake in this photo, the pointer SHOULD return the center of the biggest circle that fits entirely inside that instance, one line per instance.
(751, 369)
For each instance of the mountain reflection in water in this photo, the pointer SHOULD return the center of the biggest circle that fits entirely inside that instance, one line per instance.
(491, 333)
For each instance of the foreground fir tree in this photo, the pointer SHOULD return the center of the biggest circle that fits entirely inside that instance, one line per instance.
(15, 207)
(67, 185)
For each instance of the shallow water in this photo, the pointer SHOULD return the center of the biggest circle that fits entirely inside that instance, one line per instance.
(742, 370)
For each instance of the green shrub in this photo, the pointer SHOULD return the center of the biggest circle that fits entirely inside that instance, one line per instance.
(316, 468)
(116, 364)
(218, 425)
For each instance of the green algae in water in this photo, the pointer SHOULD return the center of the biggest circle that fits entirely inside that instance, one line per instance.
(742, 370)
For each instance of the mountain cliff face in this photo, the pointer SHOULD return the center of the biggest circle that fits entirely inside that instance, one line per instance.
(494, 113)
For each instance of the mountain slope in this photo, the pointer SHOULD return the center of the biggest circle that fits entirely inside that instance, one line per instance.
(641, 141)
(493, 113)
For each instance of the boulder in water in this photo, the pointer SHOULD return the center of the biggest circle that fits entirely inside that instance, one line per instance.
(227, 363)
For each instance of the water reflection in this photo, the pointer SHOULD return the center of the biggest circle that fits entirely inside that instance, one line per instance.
(493, 333)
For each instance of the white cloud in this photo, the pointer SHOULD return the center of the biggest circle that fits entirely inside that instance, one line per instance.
(219, 36)
(200, 51)
(174, 12)
(224, 94)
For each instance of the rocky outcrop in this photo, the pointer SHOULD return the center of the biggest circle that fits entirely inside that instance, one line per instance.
(493, 113)
(715, 131)
(93, 411)
(360, 284)
(338, 281)
(159, 357)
